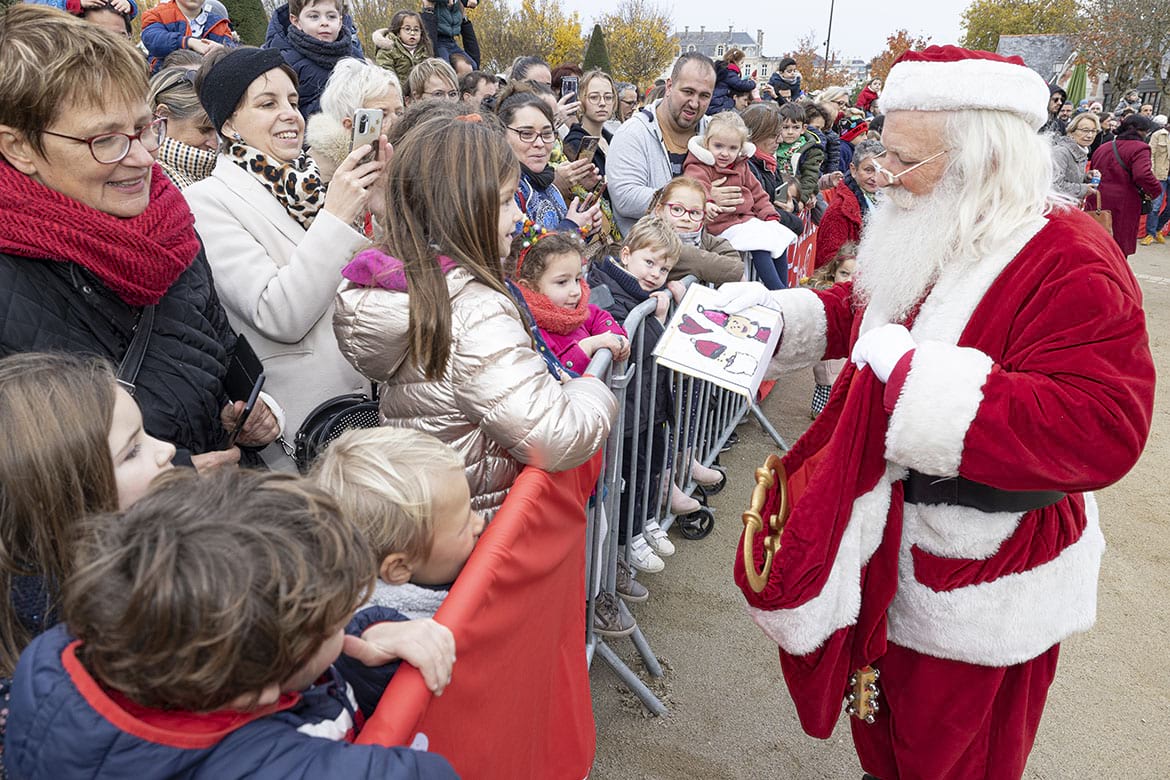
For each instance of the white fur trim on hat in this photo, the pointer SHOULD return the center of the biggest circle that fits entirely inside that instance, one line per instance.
(967, 84)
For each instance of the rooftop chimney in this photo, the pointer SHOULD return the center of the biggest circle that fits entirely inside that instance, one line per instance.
(760, 41)
(687, 30)
(702, 29)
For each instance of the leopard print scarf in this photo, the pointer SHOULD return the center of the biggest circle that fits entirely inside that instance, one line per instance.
(297, 185)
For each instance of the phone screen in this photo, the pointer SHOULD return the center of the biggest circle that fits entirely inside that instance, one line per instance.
(568, 85)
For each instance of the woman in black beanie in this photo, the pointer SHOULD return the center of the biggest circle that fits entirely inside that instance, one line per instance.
(276, 236)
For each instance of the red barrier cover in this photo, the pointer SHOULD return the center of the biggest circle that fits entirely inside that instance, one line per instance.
(802, 254)
(518, 705)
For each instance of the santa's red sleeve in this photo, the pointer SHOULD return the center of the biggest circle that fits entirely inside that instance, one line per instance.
(817, 326)
(1065, 404)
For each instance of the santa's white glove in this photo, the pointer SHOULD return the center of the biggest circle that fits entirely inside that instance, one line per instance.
(882, 348)
(734, 297)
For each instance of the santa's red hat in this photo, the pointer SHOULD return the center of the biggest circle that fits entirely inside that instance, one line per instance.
(949, 78)
(710, 349)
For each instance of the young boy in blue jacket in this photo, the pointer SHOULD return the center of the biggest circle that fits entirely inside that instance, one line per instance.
(201, 632)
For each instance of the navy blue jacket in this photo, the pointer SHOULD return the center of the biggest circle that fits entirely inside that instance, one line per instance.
(59, 728)
(726, 82)
(277, 35)
(778, 83)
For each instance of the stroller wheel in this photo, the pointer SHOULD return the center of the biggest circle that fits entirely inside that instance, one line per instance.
(696, 525)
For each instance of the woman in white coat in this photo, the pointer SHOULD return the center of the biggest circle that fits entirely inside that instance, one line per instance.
(275, 235)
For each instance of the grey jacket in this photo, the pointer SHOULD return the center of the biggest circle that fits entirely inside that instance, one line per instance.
(496, 404)
(1068, 167)
(636, 165)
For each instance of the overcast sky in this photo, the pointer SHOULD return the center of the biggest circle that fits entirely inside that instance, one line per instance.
(860, 27)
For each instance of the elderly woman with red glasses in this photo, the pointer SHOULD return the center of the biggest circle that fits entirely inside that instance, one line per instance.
(97, 246)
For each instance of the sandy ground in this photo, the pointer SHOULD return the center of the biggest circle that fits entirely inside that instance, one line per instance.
(1108, 713)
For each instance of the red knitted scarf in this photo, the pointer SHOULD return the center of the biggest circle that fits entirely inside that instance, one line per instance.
(138, 258)
(553, 318)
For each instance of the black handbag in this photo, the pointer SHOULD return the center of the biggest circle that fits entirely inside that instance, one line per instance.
(331, 419)
(1147, 201)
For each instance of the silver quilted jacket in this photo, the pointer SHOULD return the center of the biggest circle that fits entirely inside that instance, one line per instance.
(496, 403)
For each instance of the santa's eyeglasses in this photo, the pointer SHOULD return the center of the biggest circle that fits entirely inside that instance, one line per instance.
(892, 177)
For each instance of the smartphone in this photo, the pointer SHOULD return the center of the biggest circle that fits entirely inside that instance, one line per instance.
(593, 196)
(568, 85)
(367, 126)
(588, 148)
(249, 405)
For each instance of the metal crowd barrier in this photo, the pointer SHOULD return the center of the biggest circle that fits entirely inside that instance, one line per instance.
(704, 418)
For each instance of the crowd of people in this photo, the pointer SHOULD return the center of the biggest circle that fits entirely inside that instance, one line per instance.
(204, 242)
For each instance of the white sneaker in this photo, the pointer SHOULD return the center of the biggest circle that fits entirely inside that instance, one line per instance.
(643, 558)
(657, 539)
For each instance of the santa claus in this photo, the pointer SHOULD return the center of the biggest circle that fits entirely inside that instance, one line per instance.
(945, 532)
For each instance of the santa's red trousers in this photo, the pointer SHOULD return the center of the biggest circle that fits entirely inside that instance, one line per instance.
(948, 720)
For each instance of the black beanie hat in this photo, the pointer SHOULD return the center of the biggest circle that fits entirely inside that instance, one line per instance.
(223, 86)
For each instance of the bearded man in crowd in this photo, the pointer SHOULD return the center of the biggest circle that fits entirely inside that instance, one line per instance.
(945, 532)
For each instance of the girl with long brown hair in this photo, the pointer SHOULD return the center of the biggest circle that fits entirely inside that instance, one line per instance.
(73, 444)
(429, 317)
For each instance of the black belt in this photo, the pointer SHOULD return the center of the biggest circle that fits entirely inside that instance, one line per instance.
(922, 488)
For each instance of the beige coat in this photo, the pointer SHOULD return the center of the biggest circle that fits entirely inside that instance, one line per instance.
(496, 403)
(1160, 154)
(277, 282)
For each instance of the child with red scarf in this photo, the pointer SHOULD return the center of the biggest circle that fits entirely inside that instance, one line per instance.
(550, 272)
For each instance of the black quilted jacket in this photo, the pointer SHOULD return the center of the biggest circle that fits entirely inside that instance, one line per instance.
(49, 306)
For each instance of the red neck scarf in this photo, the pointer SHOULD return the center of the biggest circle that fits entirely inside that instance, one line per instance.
(553, 318)
(138, 258)
(769, 160)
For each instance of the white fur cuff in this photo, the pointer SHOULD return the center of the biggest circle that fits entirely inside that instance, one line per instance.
(804, 339)
(936, 406)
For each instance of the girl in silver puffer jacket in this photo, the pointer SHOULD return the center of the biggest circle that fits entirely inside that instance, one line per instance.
(435, 325)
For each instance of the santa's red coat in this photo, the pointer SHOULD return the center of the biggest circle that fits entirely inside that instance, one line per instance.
(1032, 371)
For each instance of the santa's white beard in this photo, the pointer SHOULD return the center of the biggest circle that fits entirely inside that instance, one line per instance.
(906, 241)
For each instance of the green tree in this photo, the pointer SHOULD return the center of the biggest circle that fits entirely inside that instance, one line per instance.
(985, 20)
(597, 55)
(640, 46)
(897, 44)
(249, 19)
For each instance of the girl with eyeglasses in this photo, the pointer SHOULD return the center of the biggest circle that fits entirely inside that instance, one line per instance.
(682, 204)
(402, 45)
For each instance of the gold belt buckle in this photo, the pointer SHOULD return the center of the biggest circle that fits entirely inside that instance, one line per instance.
(861, 702)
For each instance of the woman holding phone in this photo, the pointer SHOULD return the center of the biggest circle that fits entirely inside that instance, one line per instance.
(528, 125)
(598, 97)
(276, 236)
